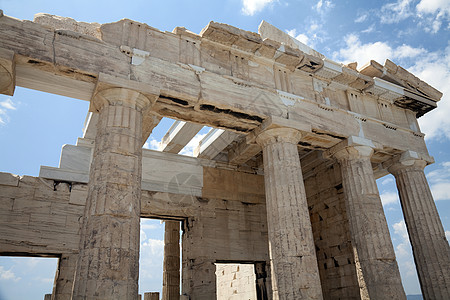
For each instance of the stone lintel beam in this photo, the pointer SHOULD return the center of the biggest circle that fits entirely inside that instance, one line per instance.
(274, 122)
(7, 72)
(242, 152)
(108, 263)
(248, 147)
(398, 75)
(214, 142)
(293, 259)
(426, 233)
(352, 141)
(376, 265)
(72, 65)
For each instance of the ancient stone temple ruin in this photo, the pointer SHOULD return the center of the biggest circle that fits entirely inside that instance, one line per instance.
(284, 182)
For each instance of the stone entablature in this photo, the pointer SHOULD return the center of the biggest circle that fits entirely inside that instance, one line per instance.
(200, 78)
(284, 117)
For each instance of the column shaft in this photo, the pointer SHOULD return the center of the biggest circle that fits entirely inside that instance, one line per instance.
(377, 270)
(62, 287)
(292, 253)
(171, 267)
(430, 247)
(108, 264)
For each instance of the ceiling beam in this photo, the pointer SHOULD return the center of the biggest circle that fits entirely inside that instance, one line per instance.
(178, 136)
(214, 142)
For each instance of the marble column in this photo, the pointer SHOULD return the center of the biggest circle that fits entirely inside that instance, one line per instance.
(426, 234)
(108, 263)
(151, 296)
(171, 265)
(294, 270)
(62, 286)
(376, 266)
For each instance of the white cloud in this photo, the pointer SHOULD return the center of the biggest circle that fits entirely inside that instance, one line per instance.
(44, 280)
(403, 253)
(428, 14)
(400, 229)
(379, 51)
(151, 144)
(447, 235)
(361, 18)
(8, 275)
(389, 198)
(151, 252)
(410, 268)
(441, 191)
(403, 249)
(370, 29)
(311, 35)
(363, 53)
(396, 11)
(250, 7)
(151, 257)
(8, 104)
(439, 180)
(434, 68)
(301, 37)
(433, 6)
(148, 226)
(314, 26)
(387, 180)
(406, 51)
(156, 246)
(33, 262)
(5, 107)
(189, 148)
(431, 67)
(323, 5)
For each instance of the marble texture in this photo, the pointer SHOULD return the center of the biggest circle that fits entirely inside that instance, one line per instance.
(429, 244)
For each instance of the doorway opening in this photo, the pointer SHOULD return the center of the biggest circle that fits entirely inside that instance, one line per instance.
(159, 258)
(20, 275)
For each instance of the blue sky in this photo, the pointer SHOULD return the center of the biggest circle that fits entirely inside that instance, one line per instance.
(412, 33)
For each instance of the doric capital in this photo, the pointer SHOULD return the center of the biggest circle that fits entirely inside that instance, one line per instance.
(352, 148)
(353, 152)
(408, 160)
(278, 135)
(7, 72)
(120, 97)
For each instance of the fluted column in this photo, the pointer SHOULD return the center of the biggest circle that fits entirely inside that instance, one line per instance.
(108, 263)
(430, 247)
(62, 286)
(376, 266)
(171, 267)
(292, 253)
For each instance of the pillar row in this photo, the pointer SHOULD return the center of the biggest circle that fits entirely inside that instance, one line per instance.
(376, 266)
(293, 259)
(171, 266)
(108, 263)
(426, 234)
